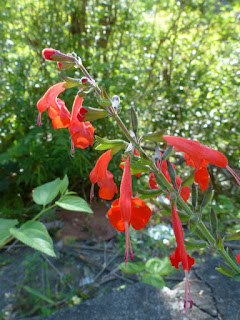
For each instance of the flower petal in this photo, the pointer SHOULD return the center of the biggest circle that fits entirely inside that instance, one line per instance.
(202, 178)
(84, 137)
(126, 192)
(141, 214)
(115, 218)
(50, 97)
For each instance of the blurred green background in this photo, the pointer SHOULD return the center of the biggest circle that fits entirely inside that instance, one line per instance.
(176, 62)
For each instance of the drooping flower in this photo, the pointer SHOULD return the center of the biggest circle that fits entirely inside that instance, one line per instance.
(127, 211)
(81, 133)
(184, 192)
(180, 255)
(199, 156)
(103, 178)
(50, 100)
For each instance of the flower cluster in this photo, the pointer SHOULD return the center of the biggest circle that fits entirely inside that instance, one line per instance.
(81, 132)
(127, 210)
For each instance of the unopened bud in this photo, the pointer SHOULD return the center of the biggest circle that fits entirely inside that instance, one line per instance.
(90, 114)
(115, 102)
(84, 79)
(157, 154)
(167, 153)
(55, 55)
(194, 196)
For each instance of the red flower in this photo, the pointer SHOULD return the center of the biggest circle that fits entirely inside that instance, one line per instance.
(198, 156)
(238, 257)
(128, 210)
(81, 133)
(123, 160)
(103, 178)
(180, 255)
(185, 191)
(50, 100)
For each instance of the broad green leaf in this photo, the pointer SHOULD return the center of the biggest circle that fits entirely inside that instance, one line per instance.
(47, 192)
(191, 245)
(132, 267)
(38, 294)
(234, 236)
(5, 225)
(155, 136)
(35, 235)
(64, 184)
(225, 270)
(154, 279)
(159, 266)
(74, 203)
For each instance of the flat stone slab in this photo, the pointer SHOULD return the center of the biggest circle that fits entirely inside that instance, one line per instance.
(215, 296)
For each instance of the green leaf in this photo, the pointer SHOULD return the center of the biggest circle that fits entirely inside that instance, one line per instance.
(159, 266)
(149, 195)
(155, 136)
(105, 144)
(224, 270)
(144, 162)
(191, 245)
(189, 180)
(213, 222)
(153, 279)
(64, 184)
(74, 203)
(5, 225)
(208, 195)
(38, 294)
(132, 267)
(236, 277)
(47, 192)
(219, 243)
(137, 168)
(234, 236)
(35, 235)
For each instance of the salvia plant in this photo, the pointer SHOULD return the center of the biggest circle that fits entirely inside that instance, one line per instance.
(163, 180)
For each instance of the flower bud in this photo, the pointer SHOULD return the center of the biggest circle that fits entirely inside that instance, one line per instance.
(172, 175)
(89, 114)
(65, 65)
(55, 55)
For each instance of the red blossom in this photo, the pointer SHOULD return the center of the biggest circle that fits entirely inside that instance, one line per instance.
(81, 133)
(180, 255)
(103, 177)
(198, 156)
(128, 211)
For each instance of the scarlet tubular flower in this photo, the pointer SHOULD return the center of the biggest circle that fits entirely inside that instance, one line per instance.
(81, 133)
(185, 191)
(180, 255)
(103, 178)
(128, 210)
(199, 156)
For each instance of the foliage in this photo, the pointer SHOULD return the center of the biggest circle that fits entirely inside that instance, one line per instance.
(177, 60)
